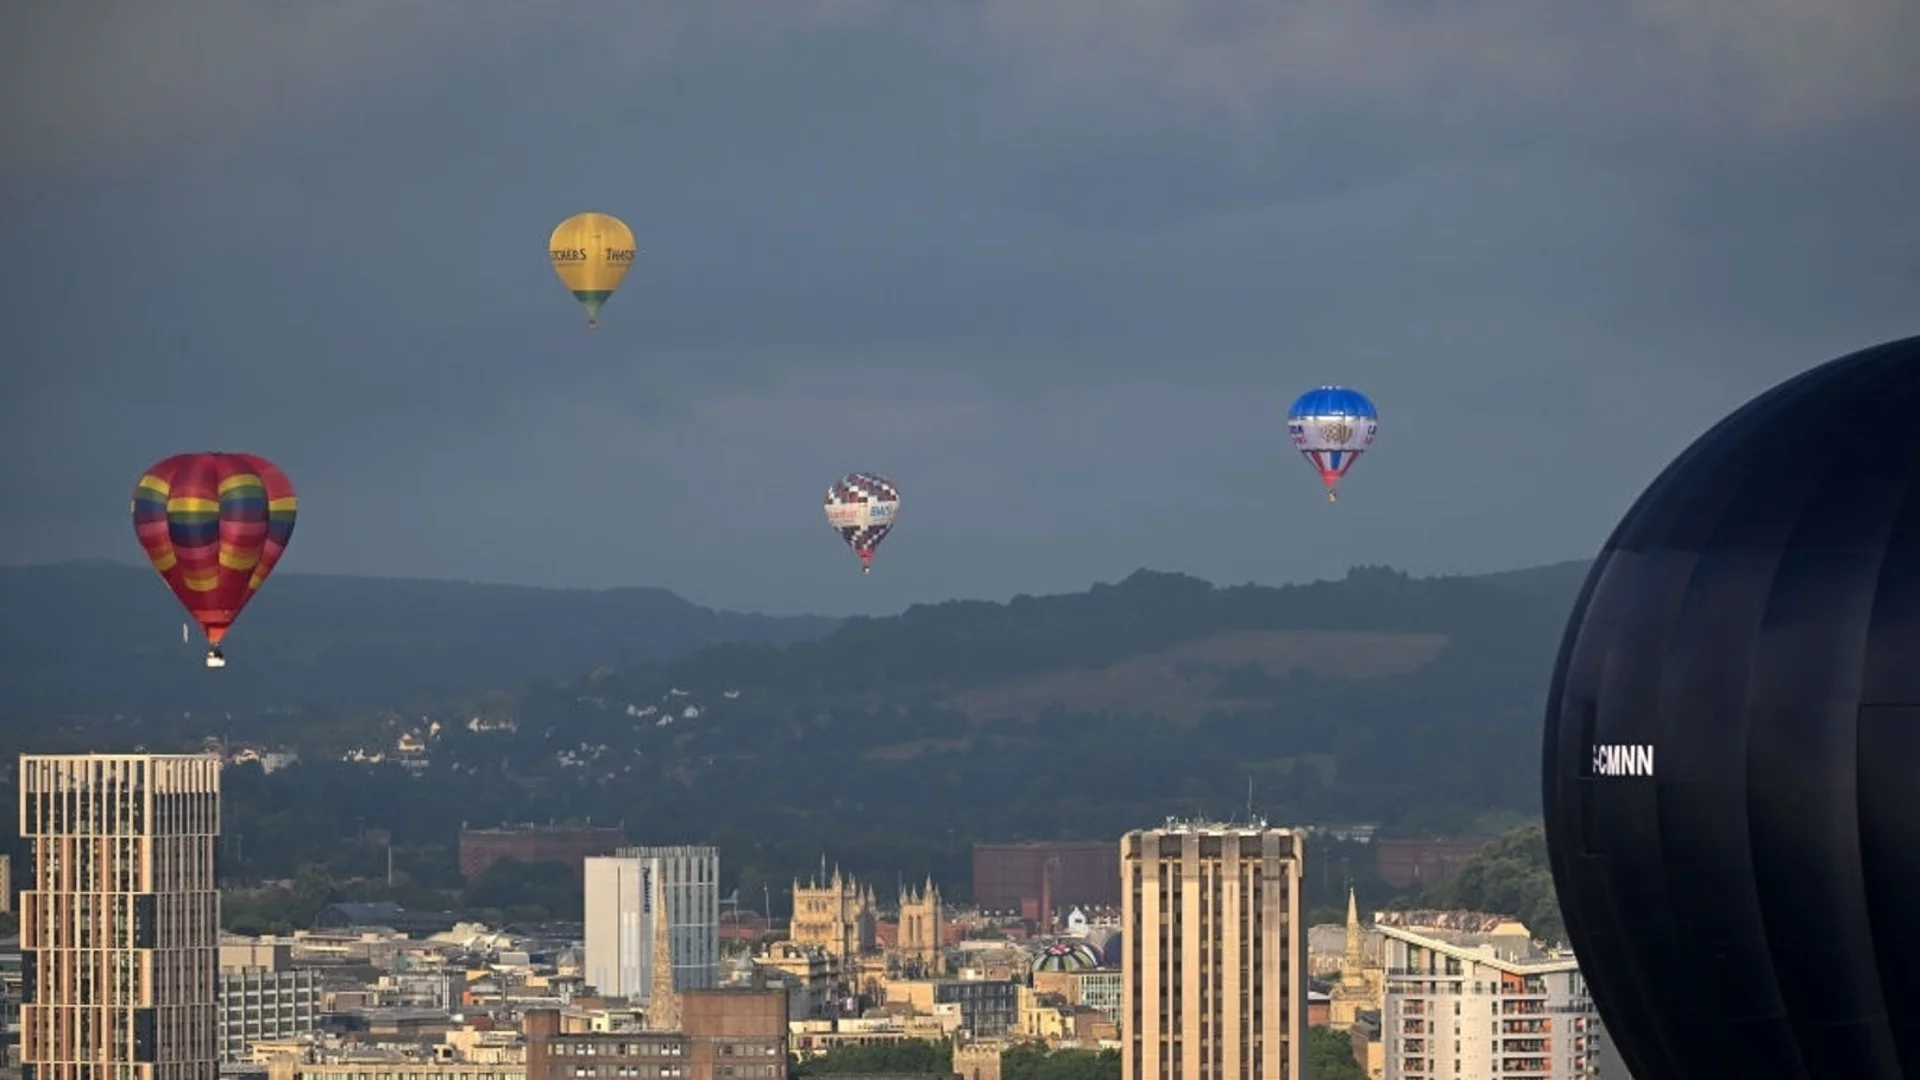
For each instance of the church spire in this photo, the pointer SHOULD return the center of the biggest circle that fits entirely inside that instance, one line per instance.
(663, 1002)
(1355, 958)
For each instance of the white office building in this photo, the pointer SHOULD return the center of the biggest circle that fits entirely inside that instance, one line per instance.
(619, 918)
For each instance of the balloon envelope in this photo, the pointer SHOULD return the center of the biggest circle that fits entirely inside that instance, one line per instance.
(1066, 956)
(863, 508)
(214, 525)
(592, 253)
(1733, 741)
(1331, 427)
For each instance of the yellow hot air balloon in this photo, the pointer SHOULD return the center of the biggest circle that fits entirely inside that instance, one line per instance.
(591, 252)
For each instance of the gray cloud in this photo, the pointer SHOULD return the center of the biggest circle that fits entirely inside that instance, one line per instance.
(1056, 266)
(1775, 66)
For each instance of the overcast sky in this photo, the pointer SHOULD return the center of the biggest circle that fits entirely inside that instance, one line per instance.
(1057, 267)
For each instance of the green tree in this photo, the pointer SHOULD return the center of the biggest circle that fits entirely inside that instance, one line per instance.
(1330, 1056)
(907, 1056)
(526, 891)
(273, 910)
(1030, 1061)
(1510, 877)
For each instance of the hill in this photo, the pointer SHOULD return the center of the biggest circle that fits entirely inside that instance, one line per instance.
(891, 743)
(102, 637)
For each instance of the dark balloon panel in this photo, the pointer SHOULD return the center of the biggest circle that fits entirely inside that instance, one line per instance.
(1732, 758)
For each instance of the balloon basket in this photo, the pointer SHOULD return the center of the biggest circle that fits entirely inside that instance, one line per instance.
(215, 660)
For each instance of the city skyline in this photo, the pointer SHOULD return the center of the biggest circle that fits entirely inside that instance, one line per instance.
(1219, 889)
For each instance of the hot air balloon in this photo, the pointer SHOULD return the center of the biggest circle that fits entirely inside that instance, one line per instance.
(214, 525)
(862, 508)
(1332, 426)
(1066, 956)
(591, 252)
(1733, 736)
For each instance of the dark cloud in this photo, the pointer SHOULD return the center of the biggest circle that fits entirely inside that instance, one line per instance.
(1057, 266)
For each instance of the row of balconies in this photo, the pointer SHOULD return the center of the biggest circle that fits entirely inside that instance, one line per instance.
(1531, 988)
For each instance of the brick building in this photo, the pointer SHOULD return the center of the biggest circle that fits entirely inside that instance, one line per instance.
(1406, 863)
(723, 1032)
(570, 844)
(1086, 873)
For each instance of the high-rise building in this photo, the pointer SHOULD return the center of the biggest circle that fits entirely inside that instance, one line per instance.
(120, 929)
(620, 913)
(1214, 943)
(1481, 999)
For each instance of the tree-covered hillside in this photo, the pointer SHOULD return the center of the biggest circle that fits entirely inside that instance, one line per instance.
(891, 743)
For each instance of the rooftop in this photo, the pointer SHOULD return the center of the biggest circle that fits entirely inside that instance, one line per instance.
(1511, 950)
(1207, 826)
(549, 827)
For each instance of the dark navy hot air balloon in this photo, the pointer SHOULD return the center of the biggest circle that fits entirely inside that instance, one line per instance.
(1732, 759)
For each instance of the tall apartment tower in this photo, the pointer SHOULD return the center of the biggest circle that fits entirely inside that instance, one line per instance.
(1214, 975)
(120, 925)
(620, 914)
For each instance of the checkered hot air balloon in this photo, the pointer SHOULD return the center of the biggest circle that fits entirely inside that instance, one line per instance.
(862, 508)
(1331, 427)
(214, 525)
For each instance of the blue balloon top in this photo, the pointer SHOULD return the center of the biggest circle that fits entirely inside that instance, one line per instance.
(1333, 401)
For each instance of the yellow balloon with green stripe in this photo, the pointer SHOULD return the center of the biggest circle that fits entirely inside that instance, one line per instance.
(591, 252)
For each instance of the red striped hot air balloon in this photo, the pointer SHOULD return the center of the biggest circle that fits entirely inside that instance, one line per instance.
(214, 525)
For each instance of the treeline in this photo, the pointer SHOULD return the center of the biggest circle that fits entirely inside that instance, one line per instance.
(1510, 877)
(1329, 1057)
(918, 1057)
(965, 643)
(509, 892)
